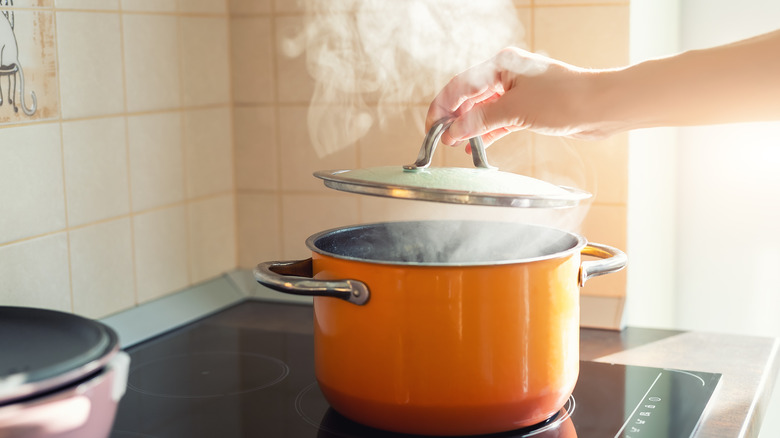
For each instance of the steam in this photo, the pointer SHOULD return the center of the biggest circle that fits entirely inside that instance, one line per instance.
(369, 58)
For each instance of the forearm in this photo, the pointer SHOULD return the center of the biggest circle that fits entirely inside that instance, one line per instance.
(738, 82)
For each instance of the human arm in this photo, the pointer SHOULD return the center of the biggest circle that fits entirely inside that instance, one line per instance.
(517, 90)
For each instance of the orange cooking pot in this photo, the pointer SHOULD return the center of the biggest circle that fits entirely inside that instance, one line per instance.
(445, 327)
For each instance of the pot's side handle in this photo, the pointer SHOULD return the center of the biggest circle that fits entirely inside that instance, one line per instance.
(612, 260)
(295, 277)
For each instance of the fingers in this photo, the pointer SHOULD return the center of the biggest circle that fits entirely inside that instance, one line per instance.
(463, 91)
(493, 116)
(488, 138)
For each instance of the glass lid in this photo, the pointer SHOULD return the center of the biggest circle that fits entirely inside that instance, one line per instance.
(481, 185)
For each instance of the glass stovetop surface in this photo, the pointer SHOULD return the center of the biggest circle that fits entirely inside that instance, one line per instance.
(248, 371)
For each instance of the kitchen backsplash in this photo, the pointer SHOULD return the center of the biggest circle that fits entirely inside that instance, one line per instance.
(157, 144)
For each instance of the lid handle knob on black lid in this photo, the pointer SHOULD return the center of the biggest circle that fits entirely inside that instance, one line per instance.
(425, 156)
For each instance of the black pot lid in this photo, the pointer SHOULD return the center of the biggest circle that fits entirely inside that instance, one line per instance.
(481, 185)
(42, 350)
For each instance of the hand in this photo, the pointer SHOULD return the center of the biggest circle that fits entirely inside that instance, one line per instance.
(512, 91)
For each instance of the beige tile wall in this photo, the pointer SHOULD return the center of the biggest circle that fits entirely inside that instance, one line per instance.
(119, 189)
(280, 203)
(169, 145)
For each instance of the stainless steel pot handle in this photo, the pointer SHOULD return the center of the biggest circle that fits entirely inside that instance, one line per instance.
(425, 156)
(295, 277)
(613, 260)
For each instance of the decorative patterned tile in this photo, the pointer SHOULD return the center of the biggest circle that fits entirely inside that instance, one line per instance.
(26, 3)
(28, 76)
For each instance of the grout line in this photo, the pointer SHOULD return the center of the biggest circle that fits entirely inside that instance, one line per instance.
(131, 215)
(127, 155)
(232, 139)
(62, 156)
(179, 110)
(182, 145)
(277, 126)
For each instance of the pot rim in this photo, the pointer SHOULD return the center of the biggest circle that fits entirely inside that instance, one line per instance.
(581, 242)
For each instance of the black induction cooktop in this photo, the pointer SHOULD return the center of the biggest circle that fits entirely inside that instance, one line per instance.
(248, 372)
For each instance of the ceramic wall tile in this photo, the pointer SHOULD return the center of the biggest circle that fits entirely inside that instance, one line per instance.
(562, 161)
(395, 138)
(600, 167)
(160, 242)
(90, 64)
(205, 60)
(304, 215)
(96, 179)
(212, 237)
(606, 224)
(150, 5)
(87, 4)
(151, 59)
(34, 273)
(295, 84)
(246, 7)
(203, 6)
(156, 159)
(208, 151)
(101, 258)
(28, 74)
(587, 36)
(257, 229)
(256, 148)
(252, 60)
(299, 158)
(32, 196)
